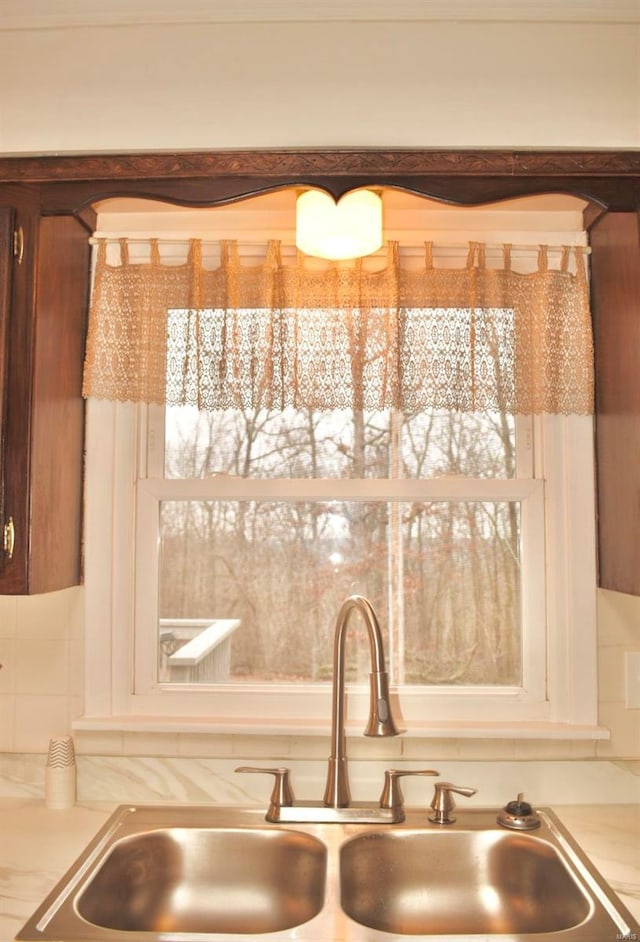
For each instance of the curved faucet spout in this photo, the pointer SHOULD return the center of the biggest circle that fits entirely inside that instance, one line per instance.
(380, 722)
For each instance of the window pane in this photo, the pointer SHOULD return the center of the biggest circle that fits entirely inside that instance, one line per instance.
(339, 444)
(256, 586)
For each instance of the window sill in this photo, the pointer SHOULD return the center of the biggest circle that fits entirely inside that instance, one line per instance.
(267, 727)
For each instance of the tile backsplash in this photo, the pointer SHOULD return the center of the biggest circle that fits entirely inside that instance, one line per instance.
(41, 650)
(41, 681)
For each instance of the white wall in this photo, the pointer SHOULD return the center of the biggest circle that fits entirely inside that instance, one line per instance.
(234, 85)
(438, 84)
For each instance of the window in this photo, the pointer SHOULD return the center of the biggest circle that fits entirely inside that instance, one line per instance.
(537, 578)
(221, 544)
(442, 563)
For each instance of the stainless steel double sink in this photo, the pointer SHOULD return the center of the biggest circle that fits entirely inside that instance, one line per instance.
(189, 874)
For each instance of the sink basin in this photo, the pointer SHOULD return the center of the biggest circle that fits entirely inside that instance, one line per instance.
(464, 882)
(206, 880)
(188, 873)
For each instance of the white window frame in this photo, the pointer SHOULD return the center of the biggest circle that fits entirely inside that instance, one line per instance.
(558, 698)
(559, 591)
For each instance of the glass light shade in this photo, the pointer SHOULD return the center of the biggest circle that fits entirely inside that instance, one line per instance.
(350, 228)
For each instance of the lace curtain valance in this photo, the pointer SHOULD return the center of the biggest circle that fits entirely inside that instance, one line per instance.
(324, 336)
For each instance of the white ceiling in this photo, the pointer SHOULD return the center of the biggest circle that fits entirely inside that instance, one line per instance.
(38, 14)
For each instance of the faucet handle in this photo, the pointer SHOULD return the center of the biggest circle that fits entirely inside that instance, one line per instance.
(443, 804)
(391, 796)
(282, 793)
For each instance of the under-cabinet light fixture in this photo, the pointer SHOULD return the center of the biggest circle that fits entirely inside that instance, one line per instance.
(349, 228)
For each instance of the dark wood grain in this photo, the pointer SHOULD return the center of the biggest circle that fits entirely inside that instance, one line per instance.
(43, 426)
(616, 310)
(57, 405)
(608, 178)
(6, 278)
(18, 386)
(333, 162)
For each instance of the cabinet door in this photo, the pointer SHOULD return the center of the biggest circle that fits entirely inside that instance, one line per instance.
(43, 308)
(6, 271)
(615, 284)
(57, 407)
(17, 385)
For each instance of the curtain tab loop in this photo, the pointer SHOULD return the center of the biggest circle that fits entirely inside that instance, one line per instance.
(564, 261)
(506, 256)
(273, 258)
(581, 268)
(543, 258)
(428, 255)
(101, 255)
(226, 252)
(124, 251)
(471, 257)
(477, 257)
(194, 255)
(393, 256)
(194, 261)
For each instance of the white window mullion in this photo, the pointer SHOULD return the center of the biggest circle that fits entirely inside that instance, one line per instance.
(533, 605)
(571, 568)
(146, 638)
(525, 450)
(111, 462)
(224, 487)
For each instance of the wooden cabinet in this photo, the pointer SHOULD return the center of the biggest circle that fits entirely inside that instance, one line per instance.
(43, 302)
(44, 272)
(615, 272)
(8, 232)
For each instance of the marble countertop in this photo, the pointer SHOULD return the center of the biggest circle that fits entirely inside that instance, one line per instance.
(37, 846)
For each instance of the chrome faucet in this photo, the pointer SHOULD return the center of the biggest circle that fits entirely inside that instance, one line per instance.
(336, 805)
(380, 723)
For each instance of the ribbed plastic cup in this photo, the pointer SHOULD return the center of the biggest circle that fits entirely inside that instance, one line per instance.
(60, 774)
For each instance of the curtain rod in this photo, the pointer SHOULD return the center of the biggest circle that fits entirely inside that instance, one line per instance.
(461, 246)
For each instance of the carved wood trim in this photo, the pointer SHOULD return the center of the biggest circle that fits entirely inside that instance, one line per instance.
(335, 162)
(610, 179)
